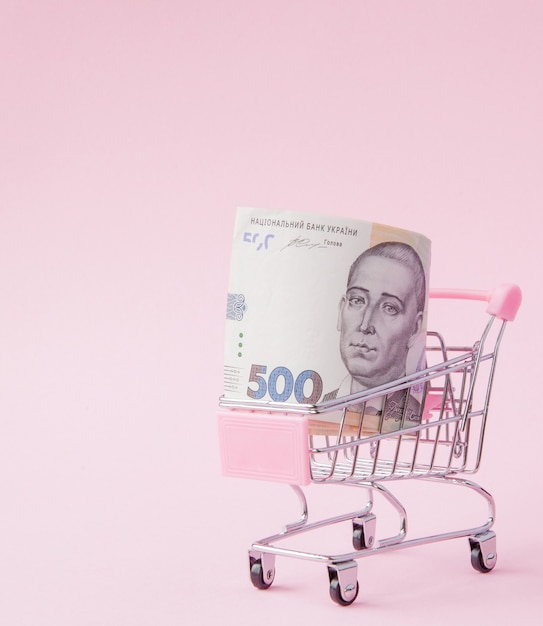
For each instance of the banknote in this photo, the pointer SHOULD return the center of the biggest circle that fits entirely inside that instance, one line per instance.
(320, 307)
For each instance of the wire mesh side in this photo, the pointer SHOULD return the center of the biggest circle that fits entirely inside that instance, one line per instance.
(447, 440)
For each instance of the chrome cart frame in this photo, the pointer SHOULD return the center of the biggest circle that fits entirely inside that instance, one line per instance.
(342, 442)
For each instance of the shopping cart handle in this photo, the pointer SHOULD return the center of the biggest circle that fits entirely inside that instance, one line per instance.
(503, 301)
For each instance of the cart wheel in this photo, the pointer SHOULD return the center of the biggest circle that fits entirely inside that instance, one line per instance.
(261, 579)
(478, 563)
(342, 592)
(483, 552)
(364, 532)
(359, 538)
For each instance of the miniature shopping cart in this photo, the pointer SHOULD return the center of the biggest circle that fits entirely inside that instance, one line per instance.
(341, 442)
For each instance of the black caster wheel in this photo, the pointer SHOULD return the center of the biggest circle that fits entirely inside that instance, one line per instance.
(364, 532)
(342, 593)
(483, 553)
(478, 562)
(261, 579)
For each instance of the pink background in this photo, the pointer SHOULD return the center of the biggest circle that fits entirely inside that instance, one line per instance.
(130, 131)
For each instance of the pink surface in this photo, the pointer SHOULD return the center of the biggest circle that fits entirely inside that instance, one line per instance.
(129, 133)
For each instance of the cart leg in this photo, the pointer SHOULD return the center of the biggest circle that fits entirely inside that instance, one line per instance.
(483, 551)
(262, 568)
(400, 509)
(343, 582)
(302, 500)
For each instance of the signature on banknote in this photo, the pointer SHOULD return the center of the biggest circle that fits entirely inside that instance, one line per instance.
(303, 242)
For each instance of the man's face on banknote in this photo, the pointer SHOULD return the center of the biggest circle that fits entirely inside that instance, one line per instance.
(378, 321)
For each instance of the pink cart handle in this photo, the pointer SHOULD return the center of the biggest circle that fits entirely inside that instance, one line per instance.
(503, 301)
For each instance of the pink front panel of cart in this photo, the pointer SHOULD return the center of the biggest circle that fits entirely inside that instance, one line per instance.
(266, 447)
